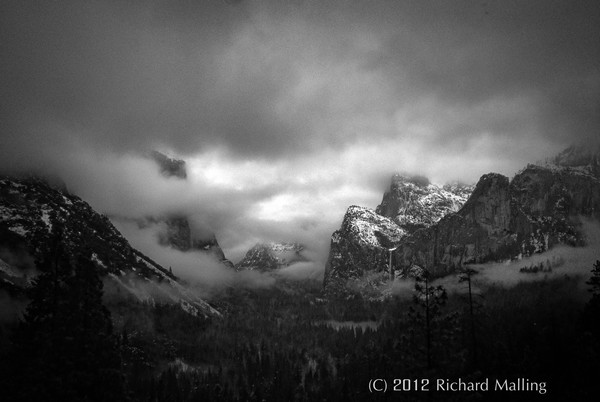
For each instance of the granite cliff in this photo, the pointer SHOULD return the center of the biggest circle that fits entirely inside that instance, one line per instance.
(502, 219)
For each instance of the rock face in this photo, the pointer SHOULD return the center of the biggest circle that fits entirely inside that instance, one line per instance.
(502, 219)
(27, 209)
(177, 233)
(271, 256)
(538, 209)
(414, 203)
(211, 246)
(477, 232)
(360, 245)
(170, 167)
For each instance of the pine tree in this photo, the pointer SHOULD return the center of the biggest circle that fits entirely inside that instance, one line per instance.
(592, 308)
(594, 281)
(466, 277)
(64, 345)
(428, 300)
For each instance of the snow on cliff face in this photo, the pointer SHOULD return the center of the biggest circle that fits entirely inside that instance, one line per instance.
(371, 229)
(448, 227)
(414, 203)
(504, 219)
(271, 256)
(363, 242)
(360, 245)
(26, 209)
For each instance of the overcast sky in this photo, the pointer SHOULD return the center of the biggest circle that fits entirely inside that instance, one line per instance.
(289, 111)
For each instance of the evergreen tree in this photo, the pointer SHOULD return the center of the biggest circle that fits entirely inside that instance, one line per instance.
(592, 308)
(466, 277)
(428, 301)
(64, 346)
(594, 281)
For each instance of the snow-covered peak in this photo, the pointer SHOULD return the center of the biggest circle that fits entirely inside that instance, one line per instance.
(270, 256)
(370, 228)
(414, 202)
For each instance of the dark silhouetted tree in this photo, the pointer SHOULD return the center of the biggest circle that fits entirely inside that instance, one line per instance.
(428, 301)
(64, 346)
(594, 281)
(466, 277)
(592, 308)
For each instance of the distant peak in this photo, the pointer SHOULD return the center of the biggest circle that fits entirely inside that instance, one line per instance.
(413, 202)
(271, 256)
(278, 247)
(576, 155)
(169, 167)
(417, 180)
(583, 159)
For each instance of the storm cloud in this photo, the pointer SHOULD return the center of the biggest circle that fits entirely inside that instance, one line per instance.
(289, 111)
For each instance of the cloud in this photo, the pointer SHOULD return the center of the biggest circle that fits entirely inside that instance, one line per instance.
(202, 271)
(576, 263)
(191, 265)
(288, 112)
(303, 270)
(267, 79)
(208, 274)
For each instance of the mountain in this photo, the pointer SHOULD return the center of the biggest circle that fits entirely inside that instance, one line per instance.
(480, 231)
(585, 158)
(502, 219)
(411, 203)
(169, 167)
(414, 203)
(28, 207)
(176, 231)
(271, 256)
(360, 245)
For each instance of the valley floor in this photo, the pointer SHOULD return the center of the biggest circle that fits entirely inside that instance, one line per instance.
(288, 343)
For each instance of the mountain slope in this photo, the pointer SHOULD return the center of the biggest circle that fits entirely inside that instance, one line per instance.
(27, 209)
